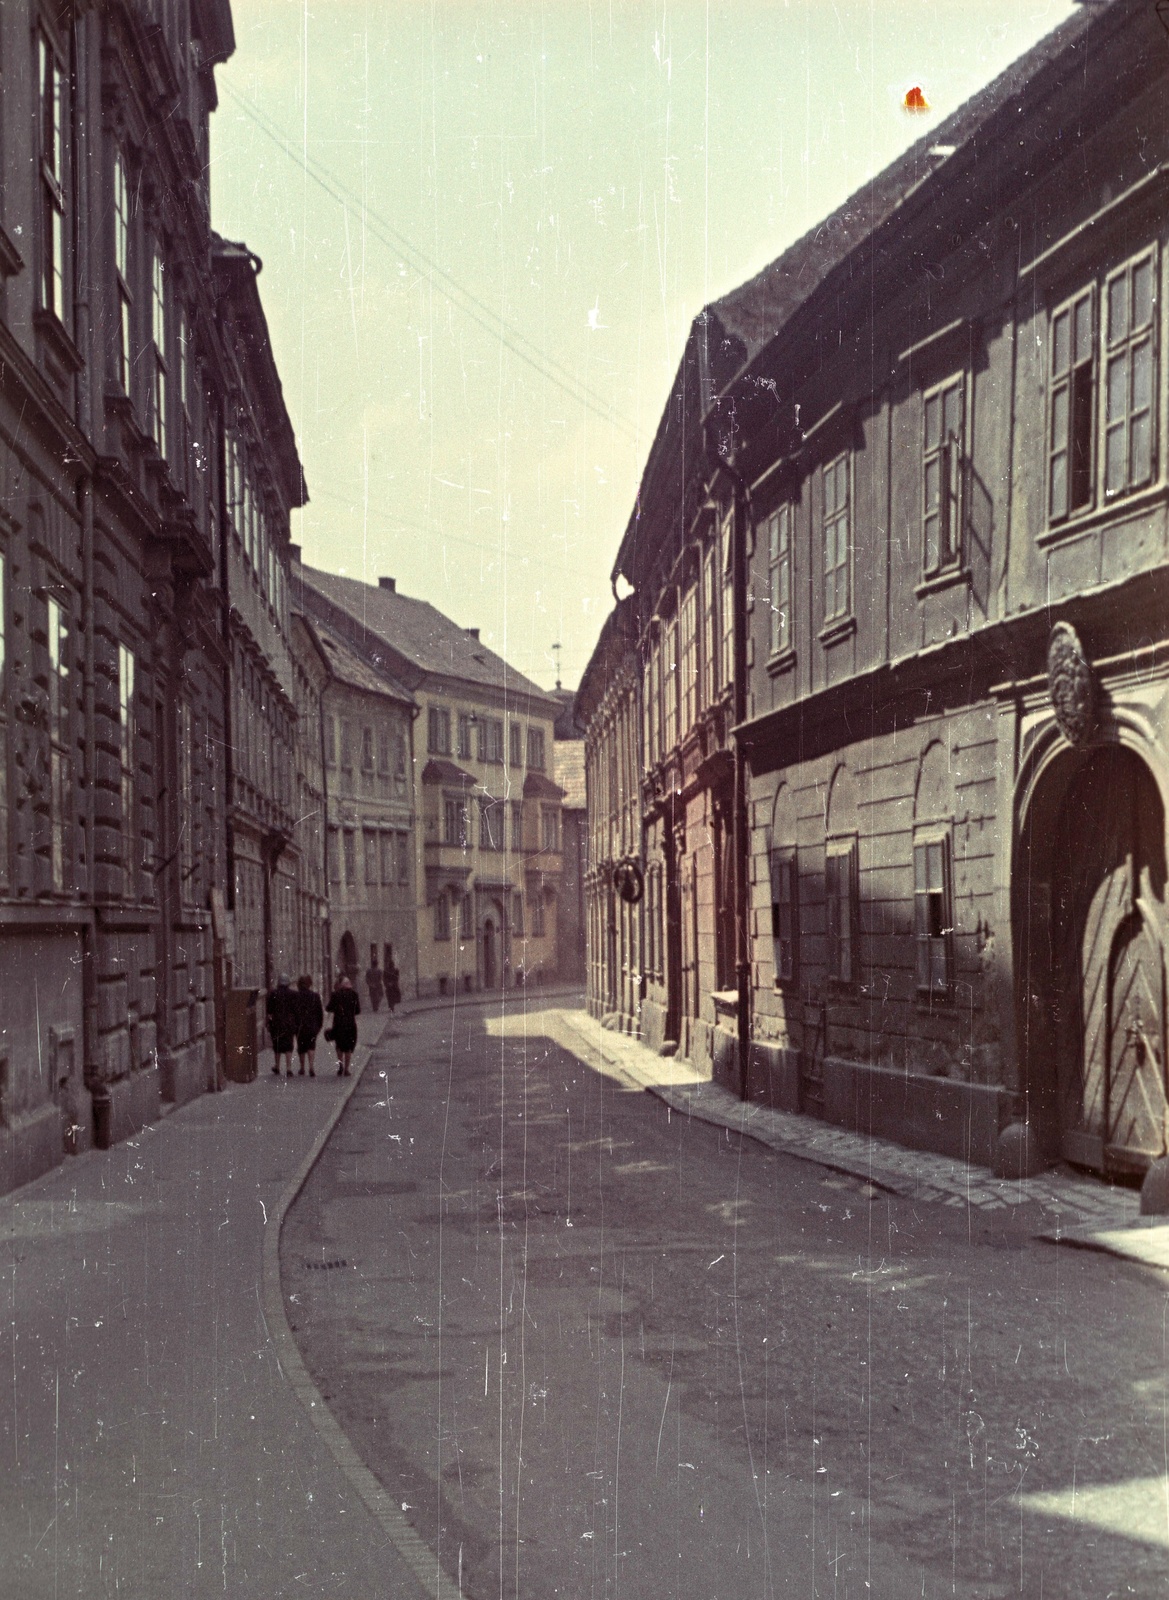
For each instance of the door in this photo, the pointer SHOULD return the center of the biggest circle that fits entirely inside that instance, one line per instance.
(490, 955)
(1137, 1108)
(1107, 1001)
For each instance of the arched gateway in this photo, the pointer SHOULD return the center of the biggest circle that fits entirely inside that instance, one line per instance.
(1089, 910)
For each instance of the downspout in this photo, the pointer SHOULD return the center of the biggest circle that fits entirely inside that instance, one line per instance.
(83, 333)
(739, 834)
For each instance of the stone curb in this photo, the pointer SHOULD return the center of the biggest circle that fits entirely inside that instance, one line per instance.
(421, 1560)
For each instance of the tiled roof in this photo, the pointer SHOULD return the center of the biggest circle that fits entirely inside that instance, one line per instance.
(569, 763)
(438, 771)
(420, 633)
(539, 787)
(349, 668)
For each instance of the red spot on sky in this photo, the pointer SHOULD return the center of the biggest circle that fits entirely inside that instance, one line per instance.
(915, 100)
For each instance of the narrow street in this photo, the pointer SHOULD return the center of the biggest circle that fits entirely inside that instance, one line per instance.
(594, 1348)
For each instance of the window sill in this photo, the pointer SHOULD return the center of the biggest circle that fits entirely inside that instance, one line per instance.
(56, 340)
(938, 582)
(784, 661)
(1111, 511)
(833, 632)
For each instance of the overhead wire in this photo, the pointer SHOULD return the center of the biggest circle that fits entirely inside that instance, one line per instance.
(456, 293)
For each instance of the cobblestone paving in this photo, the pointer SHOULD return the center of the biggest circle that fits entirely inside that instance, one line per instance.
(1074, 1209)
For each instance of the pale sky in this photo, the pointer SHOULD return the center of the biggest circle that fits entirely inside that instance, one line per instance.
(477, 329)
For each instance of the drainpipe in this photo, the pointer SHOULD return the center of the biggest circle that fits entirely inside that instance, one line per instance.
(83, 333)
(739, 835)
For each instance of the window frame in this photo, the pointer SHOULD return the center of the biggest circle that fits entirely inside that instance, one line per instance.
(843, 943)
(51, 120)
(929, 944)
(442, 917)
(780, 577)
(159, 409)
(830, 523)
(1112, 352)
(537, 753)
(783, 865)
(123, 276)
(948, 457)
(127, 738)
(515, 744)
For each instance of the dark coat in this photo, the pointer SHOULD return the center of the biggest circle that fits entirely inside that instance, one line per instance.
(282, 1013)
(393, 986)
(344, 1007)
(310, 1019)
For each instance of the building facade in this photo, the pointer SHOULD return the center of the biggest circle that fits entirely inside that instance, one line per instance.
(312, 944)
(367, 732)
(488, 837)
(941, 458)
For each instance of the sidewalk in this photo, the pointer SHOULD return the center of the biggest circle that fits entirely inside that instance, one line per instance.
(152, 1440)
(1075, 1210)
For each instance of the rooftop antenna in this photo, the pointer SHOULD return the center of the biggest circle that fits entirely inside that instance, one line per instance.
(556, 653)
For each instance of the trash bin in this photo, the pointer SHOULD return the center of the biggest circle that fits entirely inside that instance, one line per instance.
(240, 1035)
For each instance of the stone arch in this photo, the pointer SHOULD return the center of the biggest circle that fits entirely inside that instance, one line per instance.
(933, 798)
(842, 813)
(784, 819)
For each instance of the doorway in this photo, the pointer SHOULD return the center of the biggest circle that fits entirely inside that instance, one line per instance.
(1107, 993)
(490, 954)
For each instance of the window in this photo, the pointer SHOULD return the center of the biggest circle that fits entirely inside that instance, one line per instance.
(549, 828)
(536, 749)
(464, 736)
(52, 139)
(491, 740)
(837, 541)
(840, 884)
(670, 689)
(727, 603)
(709, 627)
(369, 851)
(334, 857)
(126, 738)
(779, 579)
(1129, 298)
(517, 914)
(367, 749)
(350, 857)
(158, 414)
(784, 928)
(466, 918)
(438, 730)
(346, 745)
(442, 917)
(188, 854)
(383, 752)
(515, 744)
(122, 270)
(403, 857)
(942, 450)
(454, 822)
(688, 662)
(655, 702)
(386, 847)
(490, 824)
(932, 914)
(60, 726)
(517, 825)
(536, 908)
(399, 764)
(330, 729)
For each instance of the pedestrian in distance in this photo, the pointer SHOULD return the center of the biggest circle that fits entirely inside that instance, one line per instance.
(344, 1007)
(310, 1019)
(393, 981)
(282, 1015)
(373, 982)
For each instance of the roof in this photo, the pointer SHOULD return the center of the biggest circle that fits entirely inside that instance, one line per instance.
(537, 786)
(420, 634)
(349, 668)
(570, 772)
(736, 327)
(438, 771)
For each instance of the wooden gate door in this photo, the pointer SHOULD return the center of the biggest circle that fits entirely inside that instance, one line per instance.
(1137, 1110)
(1108, 1003)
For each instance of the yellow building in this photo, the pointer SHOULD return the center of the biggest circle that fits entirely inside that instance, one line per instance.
(487, 833)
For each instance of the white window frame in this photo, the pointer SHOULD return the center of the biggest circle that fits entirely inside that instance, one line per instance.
(933, 911)
(943, 452)
(780, 574)
(835, 525)
(1121, 350)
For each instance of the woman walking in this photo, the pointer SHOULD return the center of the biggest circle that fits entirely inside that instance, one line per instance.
(310, 1019)
(393, 981)
(344, 1007)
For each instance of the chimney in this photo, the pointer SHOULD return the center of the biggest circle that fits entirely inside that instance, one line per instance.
(388, 583)
(474, 633)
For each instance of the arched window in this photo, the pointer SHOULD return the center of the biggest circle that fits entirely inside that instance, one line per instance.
(841, 880)
(785, 899)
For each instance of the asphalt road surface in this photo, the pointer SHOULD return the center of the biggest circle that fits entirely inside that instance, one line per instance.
(595, 1349)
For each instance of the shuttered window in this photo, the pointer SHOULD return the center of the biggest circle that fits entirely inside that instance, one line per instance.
(784, 928)
(932, 914)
